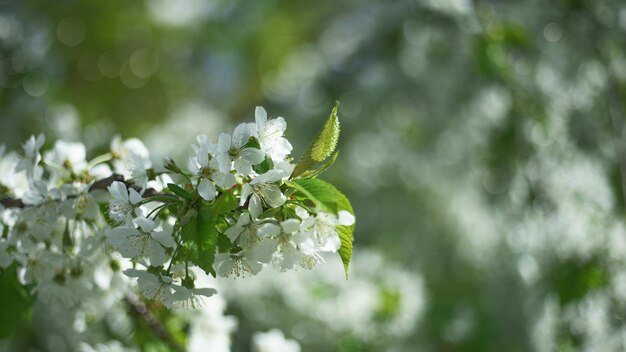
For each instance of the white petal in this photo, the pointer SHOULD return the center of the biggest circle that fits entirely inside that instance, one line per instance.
(243, 166)
(290, 225)
(206, 189)
(224, 162)
(269, 230)
(203, 156)
(268, 177)
(156, 253)
(118, 191)
(244, 219)
(241, 135)
(274, 196)
(246, 191)
(226, 267)
(233, 232)
(332, 244)
(116, 236)
(146, 224)
(164, 238)
(134, 197)
(223, 143)
(276, 128)
(205, 291)
(181, 293)
(252, 155)
(345, 218)
(264, 250)
(225, 180)
(260, 117)
(255, 207)
(139, 273)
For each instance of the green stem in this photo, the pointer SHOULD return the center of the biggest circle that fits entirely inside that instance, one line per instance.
(99, 159)
(161, 198)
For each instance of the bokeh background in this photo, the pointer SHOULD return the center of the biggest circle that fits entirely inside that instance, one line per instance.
(482, 148)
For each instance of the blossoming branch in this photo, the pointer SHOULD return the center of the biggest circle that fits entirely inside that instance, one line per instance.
(240, 203)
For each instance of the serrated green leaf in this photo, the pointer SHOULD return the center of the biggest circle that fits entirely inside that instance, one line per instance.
(189, 230)
(319, 170)
(323, 144)
(224, 203)
(327, 198)
(207, 239)
(223, 243)
(205, 235)
(179, 191)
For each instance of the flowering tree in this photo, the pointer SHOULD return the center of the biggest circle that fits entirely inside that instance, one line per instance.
(71, 226)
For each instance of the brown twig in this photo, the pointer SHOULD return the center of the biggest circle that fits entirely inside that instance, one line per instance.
(152, 322)
(12, 203)
(102, 184)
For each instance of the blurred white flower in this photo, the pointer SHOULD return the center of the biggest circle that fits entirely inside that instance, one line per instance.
(68, 156)
(210, 327)
(273, 341)
(30, 158)
(131, 159)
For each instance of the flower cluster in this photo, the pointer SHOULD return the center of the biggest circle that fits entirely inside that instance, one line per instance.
(240, 204)
(236, 209)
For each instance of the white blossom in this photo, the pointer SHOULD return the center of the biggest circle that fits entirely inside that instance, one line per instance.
(279, 245)
(244, 232)
(68, 155)
(263, 191)
(159, 288)
(231, 151)
(237, 264)
(207, 168)
(270, 133)
(144, 241)
(124, 201)
(321, 230)
(131, 159)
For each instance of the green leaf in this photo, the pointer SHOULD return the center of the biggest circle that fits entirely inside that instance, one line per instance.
(327, 198)
(318, 171)
(176, 189)
(322, 147)
(223, 243)
(263, 167)
(16, 302)
(224, 203)
(207, 239)
(252, 143)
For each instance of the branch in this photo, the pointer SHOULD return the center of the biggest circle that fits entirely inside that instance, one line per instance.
(12, 203)
(102, 184)
(152, 322)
